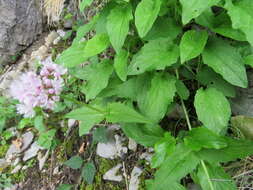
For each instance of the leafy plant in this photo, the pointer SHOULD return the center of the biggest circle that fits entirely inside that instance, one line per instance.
(151, 54)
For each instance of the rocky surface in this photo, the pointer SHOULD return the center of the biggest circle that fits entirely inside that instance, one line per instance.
(20, 24)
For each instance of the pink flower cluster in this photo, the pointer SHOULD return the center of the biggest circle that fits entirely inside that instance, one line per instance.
(38, 90)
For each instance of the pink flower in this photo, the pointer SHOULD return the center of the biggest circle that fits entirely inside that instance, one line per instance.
(41, 90)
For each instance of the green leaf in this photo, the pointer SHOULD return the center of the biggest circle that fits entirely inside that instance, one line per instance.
(74, 162)
(192, 44)
(217, 178)
(72, 56)
(84, 3)
(100, 135)
(46, 138)
(156, 99)
(38, 124)
(2, 124)
(163, 148)
(120, 64)
(206, 76)
(64, 187)
(193, 8)
(156, 54)
(235, 149)
(101, 71)
(220, 24)
(118, 25)
(146, 135)
(89, 172)
(89, 115)
(83, 30)
(175, 167)
(249, 60)
(119, 112)
(96, 45)
(242, 17)
(244, 124)
(213, 109)
(225, 60)
(146, 14)
(182, 90)
(163, 28)
(202, 137)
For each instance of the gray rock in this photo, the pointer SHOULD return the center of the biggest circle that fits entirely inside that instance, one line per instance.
(32, 151)
(111, 174)
(134, 180)
(27, 139)
(42, 159)
(243, 103)
(20, 23)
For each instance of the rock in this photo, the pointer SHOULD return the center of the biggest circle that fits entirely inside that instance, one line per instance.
(16, 169)
(243, 103)
(16, 161)
(24, 167)
(111, 175)
(61, 33)
(21, 23)
(27, 139)
(132, 145)
(42, 159)
(121, 150)
(50, 38)
(32, 151)
(134, 180)
(147, 156)
(71, 123)
(3, 164)
(107, 150)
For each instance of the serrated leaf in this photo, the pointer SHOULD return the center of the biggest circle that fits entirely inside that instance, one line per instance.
(38, 124)
(225, 60)
(175, 167)
(163, 28)
(96, 45)
(235, 149)
(120, 64)
(74, 162)
(182, 90)
(202, 137)
(119, 112)
(72, 56)
(101, 71)
(193, 8)
(156, 54)
(217, 178)
(213, 109)
(220, 24)
(206, 76)
(192, 44)
(155, 101)
(118, 25)
(145, 15)
(88, 115)
(242, 17)
(146, 135)
(163, 148)
(46, 138)
(88, 172)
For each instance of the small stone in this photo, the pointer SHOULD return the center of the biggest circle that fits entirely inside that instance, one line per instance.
(111, 174)
(146, 156)
(16, 169)
(134, 180)
(61, 33)
(42, 159)
(24, 167)
(32, 151)
(57, 40)
(56, 170)
(107, 150)
(3, 164)
(132, 145)
(16, 161)
(121, 150)
(71, 123)
(51, 37)
(27, 139)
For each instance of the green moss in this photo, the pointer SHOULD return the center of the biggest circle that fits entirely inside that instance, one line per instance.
(3, 150)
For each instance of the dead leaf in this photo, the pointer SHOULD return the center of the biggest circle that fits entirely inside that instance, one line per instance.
(18, 143)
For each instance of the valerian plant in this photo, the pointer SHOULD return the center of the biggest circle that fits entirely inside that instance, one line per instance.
(162, 52)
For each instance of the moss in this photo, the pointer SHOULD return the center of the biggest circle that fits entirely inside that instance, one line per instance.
(3, 150)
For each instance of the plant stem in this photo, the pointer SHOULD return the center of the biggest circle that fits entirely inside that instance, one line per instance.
(207, 174)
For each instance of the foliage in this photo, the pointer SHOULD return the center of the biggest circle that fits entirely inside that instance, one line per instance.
(147, 75)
